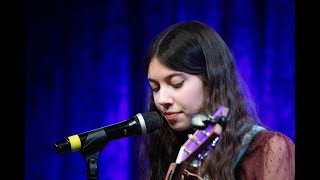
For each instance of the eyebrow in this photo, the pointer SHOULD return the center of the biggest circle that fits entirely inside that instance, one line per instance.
(168, 77)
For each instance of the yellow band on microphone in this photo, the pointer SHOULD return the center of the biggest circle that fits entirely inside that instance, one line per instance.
(75, 142)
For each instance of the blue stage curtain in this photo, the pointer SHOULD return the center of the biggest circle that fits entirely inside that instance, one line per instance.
(84, 69)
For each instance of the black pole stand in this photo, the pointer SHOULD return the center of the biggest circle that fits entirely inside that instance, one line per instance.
(91, 165)
(91, 151)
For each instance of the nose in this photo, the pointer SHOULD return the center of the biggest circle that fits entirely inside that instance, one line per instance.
(164, 97)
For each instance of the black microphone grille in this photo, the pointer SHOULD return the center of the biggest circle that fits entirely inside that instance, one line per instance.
(151, 120)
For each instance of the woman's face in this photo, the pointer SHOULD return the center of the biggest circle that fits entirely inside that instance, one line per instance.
(177, 95)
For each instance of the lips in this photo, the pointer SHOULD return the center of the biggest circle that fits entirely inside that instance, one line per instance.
(170, 116)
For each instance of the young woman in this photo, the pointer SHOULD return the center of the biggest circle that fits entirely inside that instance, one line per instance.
(191, 70)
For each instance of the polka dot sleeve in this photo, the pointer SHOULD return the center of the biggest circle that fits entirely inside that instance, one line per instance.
(271, 156)
(278, 159)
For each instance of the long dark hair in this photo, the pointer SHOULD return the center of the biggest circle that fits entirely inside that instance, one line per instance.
(195, 48)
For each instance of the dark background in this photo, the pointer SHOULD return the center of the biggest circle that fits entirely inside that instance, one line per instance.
(84, 69)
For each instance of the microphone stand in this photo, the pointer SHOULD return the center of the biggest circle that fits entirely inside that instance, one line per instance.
(91, 165)
(91, 151)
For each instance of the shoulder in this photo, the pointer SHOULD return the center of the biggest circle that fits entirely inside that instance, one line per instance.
(271, 141)
(267, 143)
(270, 155)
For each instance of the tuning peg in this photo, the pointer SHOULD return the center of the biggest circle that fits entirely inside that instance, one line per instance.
(214, 142)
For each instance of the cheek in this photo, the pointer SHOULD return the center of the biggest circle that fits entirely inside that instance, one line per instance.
(193, 98)
(155, 100)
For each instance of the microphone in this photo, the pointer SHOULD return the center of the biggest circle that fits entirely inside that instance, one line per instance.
(140, 124)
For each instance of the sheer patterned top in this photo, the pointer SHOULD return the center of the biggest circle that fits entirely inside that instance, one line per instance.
(270, 156)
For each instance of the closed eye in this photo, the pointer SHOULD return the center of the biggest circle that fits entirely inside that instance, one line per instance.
(154, 90)
(179, 85)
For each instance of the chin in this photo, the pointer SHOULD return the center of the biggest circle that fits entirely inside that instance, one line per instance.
(176, 127)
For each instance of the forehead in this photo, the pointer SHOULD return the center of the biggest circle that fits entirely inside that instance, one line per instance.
(157, 70)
